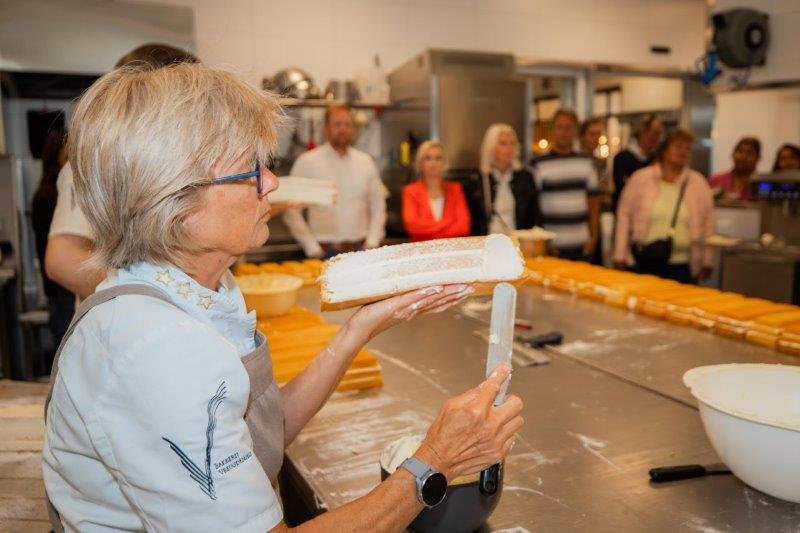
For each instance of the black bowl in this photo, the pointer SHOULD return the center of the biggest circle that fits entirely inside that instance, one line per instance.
(464, 509)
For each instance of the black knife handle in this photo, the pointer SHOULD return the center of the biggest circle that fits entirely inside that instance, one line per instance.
(490, 479)
(665, 474)
(552, 338)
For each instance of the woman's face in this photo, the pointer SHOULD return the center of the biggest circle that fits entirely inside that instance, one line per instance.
(504, 150)
(788, 160)
(745, 158)
(233, 217)
(678, 153)
(432, 163)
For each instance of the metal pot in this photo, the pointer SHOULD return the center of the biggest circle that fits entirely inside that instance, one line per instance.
(344, 91)
(293, 82)
(464, 508)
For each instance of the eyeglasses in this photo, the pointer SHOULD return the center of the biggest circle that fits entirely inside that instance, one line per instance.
(243, 176)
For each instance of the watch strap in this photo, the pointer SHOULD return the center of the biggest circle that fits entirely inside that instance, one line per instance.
(417, 468)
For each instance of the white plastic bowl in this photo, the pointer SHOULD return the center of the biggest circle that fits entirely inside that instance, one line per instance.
(751, 414)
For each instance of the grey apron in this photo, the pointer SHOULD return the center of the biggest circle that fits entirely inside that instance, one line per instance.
(264, 415)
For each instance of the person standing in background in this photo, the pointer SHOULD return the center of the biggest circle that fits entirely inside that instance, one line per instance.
(358, 220)
(787, 158)
(648, 206)
(734, 184)
(639, 153)
(433, 208)
(568, 191)
(71, 241)
(508, 197)
(590, 132)
(60, 302)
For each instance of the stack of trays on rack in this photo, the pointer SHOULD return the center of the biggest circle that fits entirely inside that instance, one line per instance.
(758, 321)
(308, 270)
(297, 337)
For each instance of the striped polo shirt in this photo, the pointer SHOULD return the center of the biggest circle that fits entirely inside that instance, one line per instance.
(564, 183)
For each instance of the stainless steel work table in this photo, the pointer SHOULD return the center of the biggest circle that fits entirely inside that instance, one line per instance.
(591, 434)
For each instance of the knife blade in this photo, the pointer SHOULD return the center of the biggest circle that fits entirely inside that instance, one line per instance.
(501, 332)
(522, 355)
(501, 341)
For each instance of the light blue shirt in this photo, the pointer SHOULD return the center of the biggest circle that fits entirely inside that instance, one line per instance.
(146, 429)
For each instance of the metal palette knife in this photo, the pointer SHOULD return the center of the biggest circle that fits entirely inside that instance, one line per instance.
(501, 342)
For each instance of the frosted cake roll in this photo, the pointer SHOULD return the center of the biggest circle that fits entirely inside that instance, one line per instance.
(358, 278)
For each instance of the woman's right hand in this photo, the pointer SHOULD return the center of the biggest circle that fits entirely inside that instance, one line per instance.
(470, 434)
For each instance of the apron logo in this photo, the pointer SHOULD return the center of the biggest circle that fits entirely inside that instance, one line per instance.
(203, 477)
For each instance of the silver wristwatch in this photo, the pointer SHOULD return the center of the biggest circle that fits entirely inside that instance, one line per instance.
(431, 484)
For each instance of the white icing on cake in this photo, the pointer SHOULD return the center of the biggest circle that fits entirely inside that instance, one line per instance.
(403, 267)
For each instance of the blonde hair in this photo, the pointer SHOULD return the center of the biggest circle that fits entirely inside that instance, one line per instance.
(423, 149)
(141, 141)
(490, 139)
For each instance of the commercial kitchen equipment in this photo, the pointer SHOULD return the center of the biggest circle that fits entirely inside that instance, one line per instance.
(457, 95)
(770, 270)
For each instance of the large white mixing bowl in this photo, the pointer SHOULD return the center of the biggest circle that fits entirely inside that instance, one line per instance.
(751, 414)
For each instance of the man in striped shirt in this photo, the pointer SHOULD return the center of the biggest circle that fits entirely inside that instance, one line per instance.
(568, 191)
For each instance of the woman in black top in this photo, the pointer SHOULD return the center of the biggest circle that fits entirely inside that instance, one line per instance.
(508, 197)
(60, 302)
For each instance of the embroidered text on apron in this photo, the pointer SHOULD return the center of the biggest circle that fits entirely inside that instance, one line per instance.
(264, 415)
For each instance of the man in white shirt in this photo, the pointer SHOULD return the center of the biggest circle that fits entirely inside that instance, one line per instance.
(70, 242)
(358, 219)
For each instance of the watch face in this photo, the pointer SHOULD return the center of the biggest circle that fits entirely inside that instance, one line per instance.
(434, 489)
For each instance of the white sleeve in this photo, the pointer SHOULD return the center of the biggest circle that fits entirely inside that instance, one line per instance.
(294, 220)
(68, 217)
(377, 208)
(170, 426)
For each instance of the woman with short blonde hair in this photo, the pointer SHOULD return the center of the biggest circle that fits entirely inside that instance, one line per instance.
(432, 207)
(164, 414)
(509, 195)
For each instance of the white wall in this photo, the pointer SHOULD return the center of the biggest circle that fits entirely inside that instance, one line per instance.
(84, 36)
(771, 115)
(782, 63)
(334, 38)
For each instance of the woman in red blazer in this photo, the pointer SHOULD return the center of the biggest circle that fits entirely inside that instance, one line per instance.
(433, 208)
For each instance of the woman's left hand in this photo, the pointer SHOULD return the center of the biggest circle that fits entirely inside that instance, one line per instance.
(374, 318)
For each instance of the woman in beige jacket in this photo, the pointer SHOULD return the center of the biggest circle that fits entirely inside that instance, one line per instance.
(647, 207)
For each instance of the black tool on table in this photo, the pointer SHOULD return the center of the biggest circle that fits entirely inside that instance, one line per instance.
(666, 474)
(552, 338)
